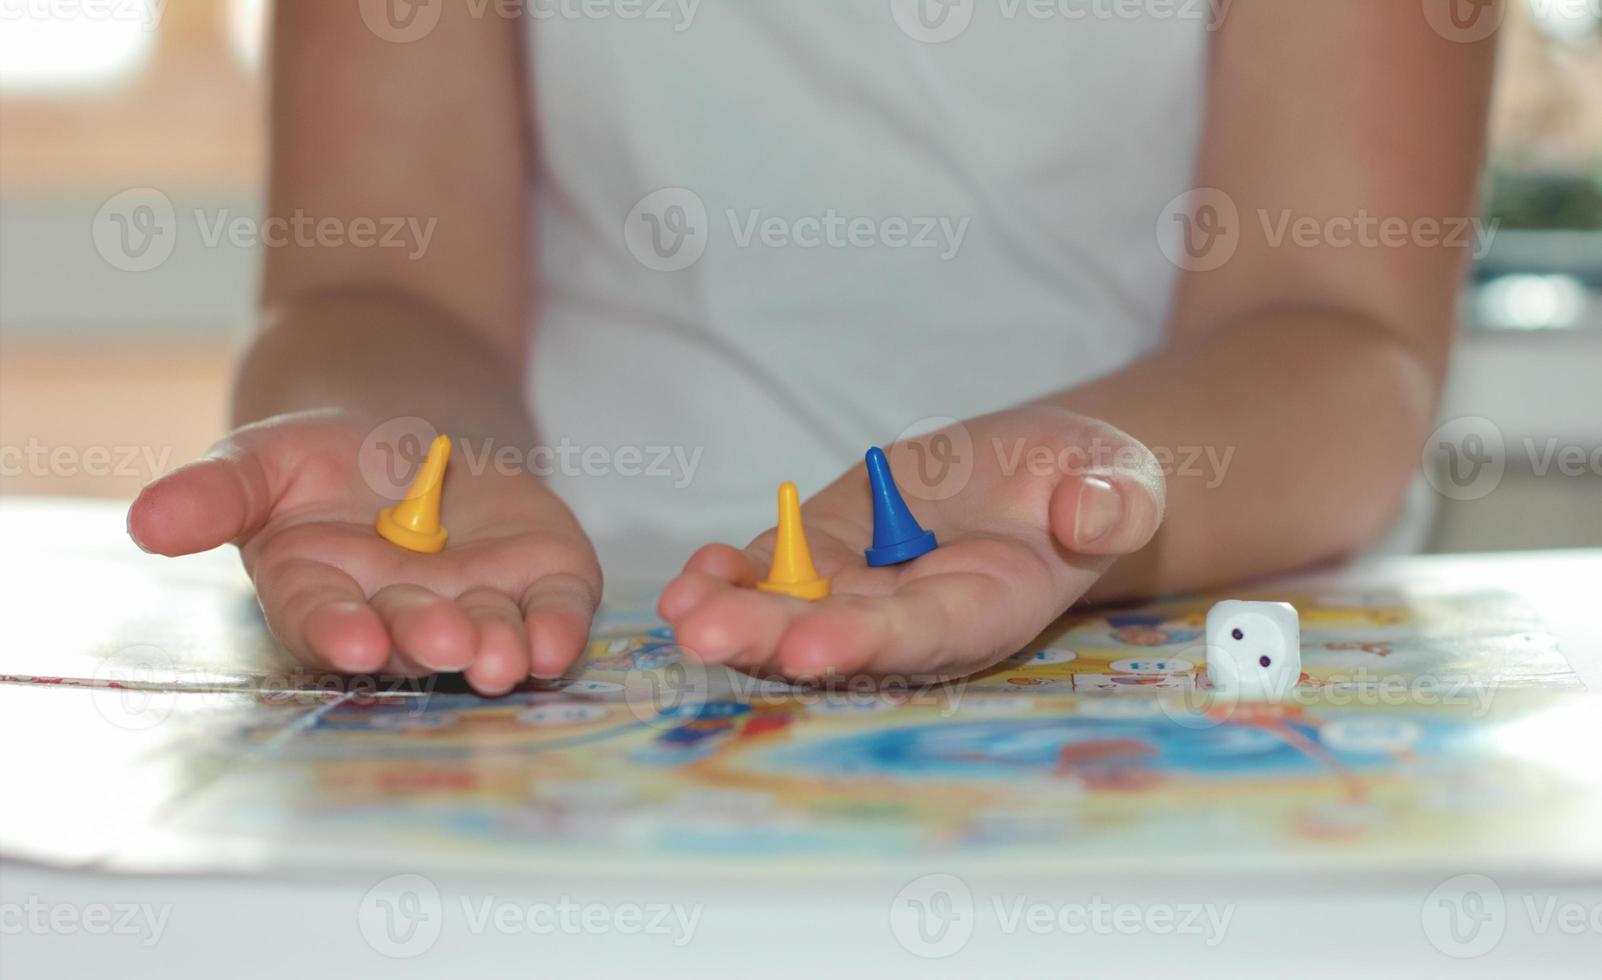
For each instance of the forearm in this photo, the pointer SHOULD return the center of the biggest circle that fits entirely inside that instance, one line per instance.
(1287, 438)
(379, 354)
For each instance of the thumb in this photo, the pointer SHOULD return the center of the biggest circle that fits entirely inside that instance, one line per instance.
(208, 503)
(1109, 511)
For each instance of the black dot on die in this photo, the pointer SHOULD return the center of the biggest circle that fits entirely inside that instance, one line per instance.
(1237, 634)
(1264, 661)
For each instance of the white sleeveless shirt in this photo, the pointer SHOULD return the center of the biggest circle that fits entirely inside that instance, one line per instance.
(773, 233)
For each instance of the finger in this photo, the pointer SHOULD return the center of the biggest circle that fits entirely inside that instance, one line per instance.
(557, 612)
(427, 628)
(713, 564)
(502, 659)
(737, 626)
(319, 611)
(945, 623)
(725, 562)
(1107, 512)
(206, 504)
(686, 591)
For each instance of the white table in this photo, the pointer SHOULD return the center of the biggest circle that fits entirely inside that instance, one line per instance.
(56, 923)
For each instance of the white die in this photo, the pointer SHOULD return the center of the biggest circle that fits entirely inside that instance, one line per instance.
(1254, 649)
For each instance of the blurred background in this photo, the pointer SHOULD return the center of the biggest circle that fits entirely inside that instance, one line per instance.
(114, 360)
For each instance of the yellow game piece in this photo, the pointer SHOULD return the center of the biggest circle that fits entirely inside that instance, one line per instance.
(792, 572)
(414, 522)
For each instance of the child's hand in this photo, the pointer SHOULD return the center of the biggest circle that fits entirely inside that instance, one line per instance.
(512, 593)
(1043, 503)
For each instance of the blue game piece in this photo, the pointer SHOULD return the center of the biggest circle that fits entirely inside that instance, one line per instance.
(897, 535)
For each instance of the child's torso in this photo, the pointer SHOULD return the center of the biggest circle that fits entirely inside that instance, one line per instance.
(771, 234)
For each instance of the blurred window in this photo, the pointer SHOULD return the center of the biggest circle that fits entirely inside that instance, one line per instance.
(56, 45)
(97, 92)
(1544, 267)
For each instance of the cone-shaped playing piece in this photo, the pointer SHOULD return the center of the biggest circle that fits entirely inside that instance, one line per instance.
(414, 522)
(897, 535)
(792, 572)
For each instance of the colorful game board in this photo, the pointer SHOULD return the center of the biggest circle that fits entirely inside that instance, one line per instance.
(1426, 728)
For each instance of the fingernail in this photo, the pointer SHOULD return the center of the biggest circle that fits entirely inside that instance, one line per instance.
(1099, 511)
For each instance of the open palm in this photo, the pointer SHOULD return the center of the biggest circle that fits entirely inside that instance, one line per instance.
(513, 593)
(1018, 545)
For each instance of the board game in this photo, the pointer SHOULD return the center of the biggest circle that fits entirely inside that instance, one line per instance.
(1427, 726)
